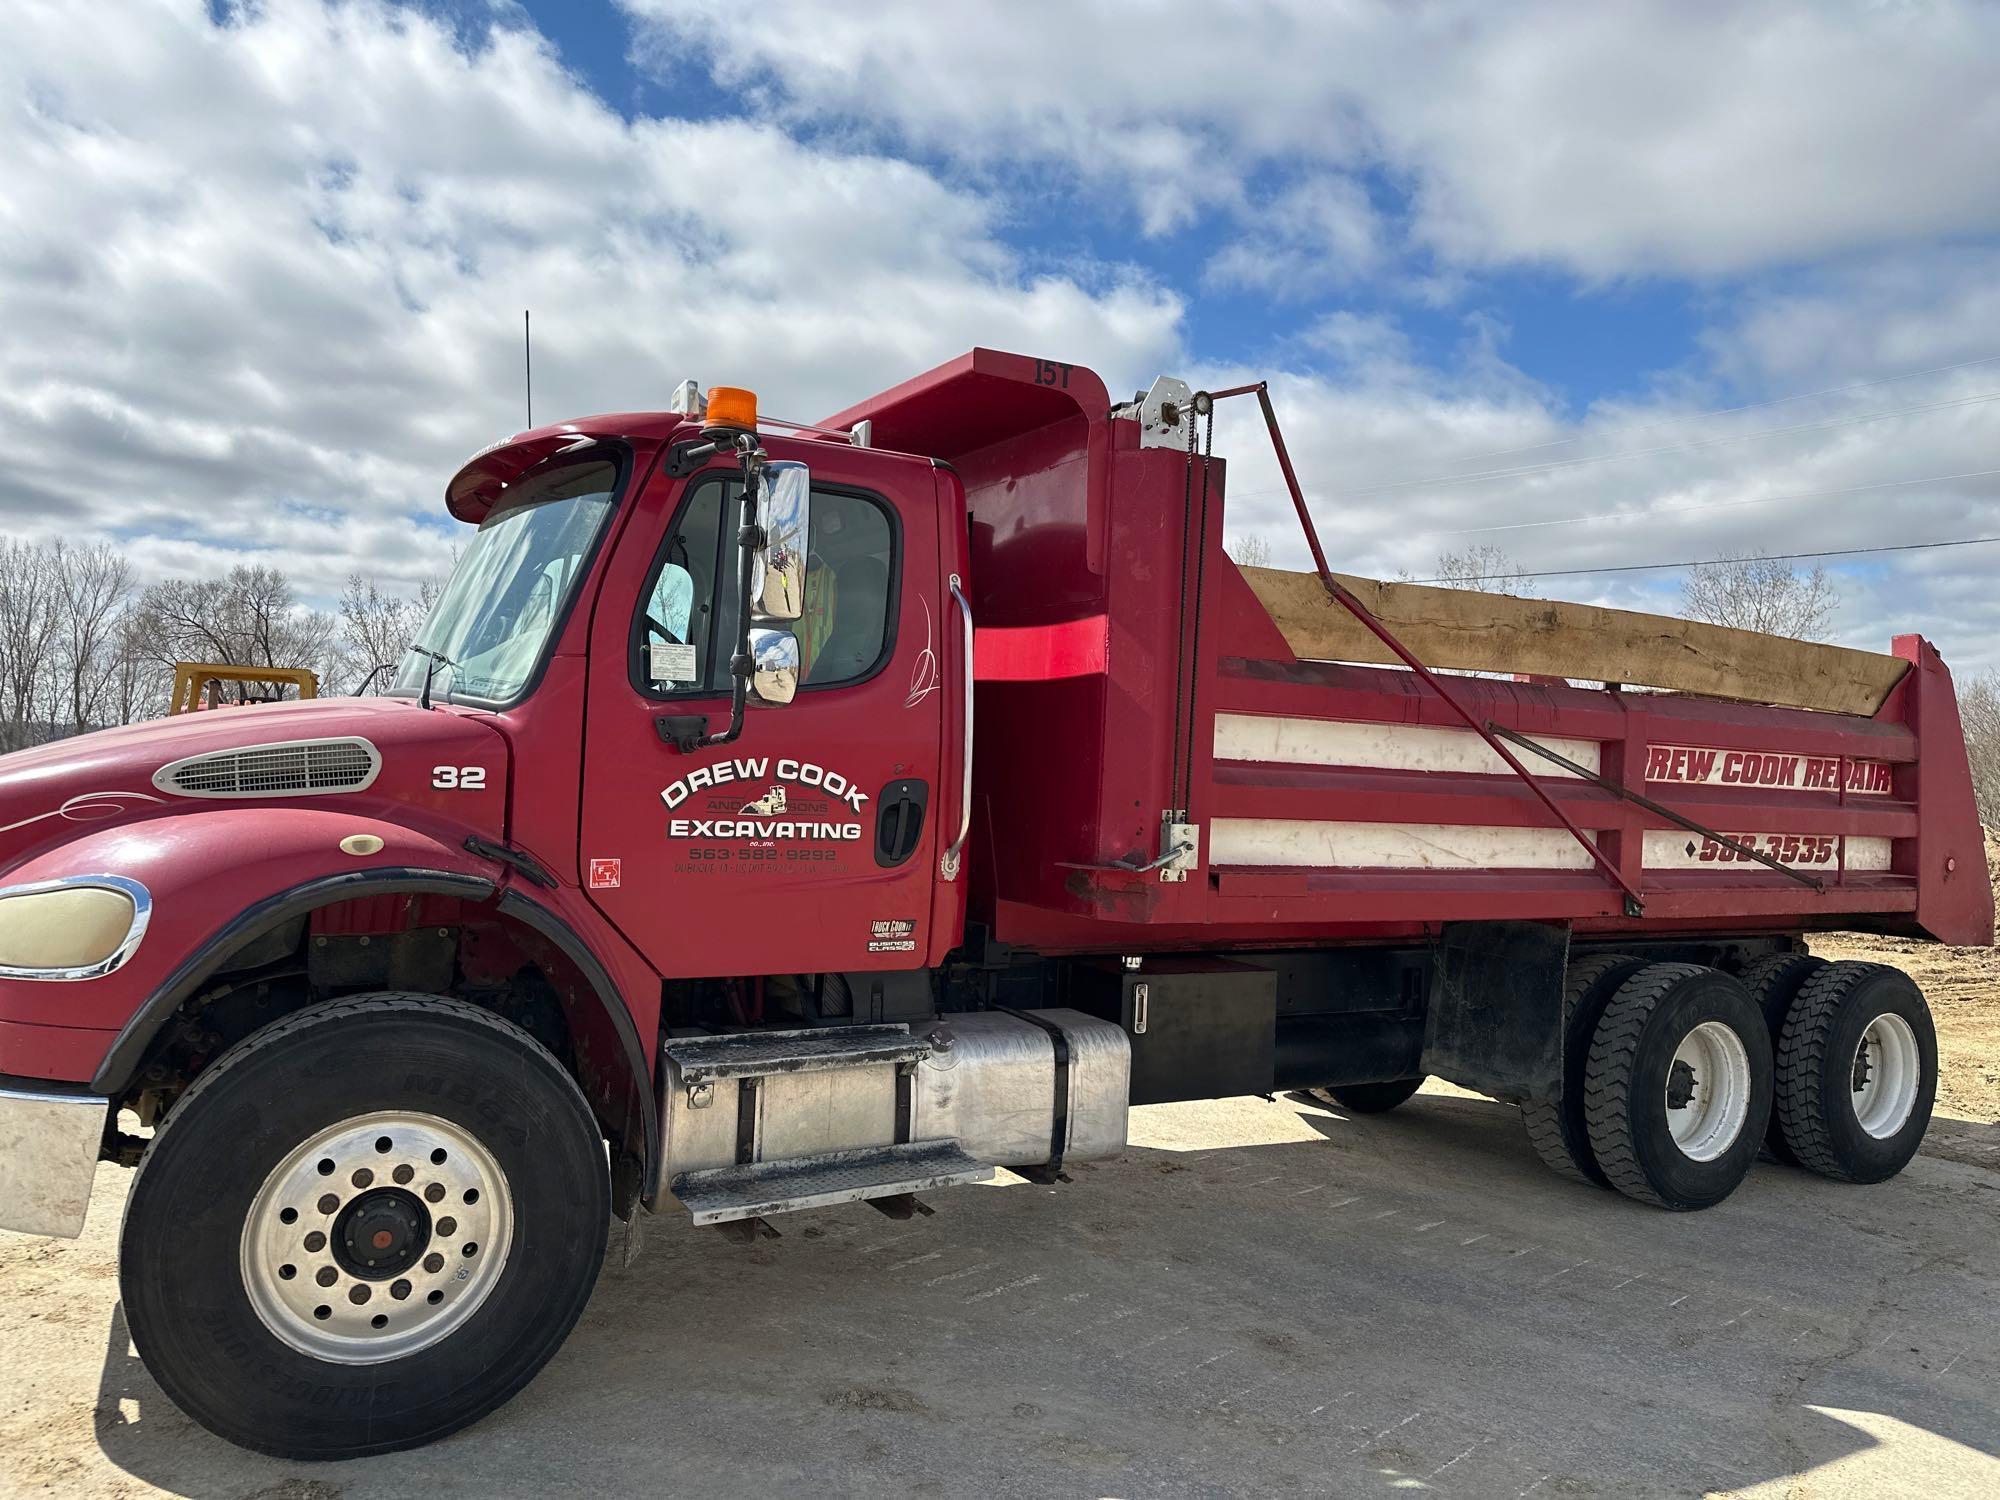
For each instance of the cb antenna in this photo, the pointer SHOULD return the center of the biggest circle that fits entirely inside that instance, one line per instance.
(528, 365)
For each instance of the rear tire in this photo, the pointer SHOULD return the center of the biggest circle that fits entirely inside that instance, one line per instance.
(1557, 1128)
(1677, 1089)
(1370, 1098)
(1774, 983)
(1857, 1072)
(425, 1168)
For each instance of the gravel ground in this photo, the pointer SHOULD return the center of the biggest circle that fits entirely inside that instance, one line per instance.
(1259, 1297)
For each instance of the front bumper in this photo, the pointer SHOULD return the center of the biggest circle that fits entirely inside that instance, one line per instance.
(49, 1139)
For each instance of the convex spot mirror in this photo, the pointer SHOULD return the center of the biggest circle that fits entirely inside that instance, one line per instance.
(778, 572)
(774, 671)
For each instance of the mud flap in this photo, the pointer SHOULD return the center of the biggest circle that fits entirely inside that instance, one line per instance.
(1495, 1021)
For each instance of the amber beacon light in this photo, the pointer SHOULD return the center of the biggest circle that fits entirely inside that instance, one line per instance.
(730, 406)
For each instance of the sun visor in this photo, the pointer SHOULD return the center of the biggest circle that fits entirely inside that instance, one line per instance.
(475, 487)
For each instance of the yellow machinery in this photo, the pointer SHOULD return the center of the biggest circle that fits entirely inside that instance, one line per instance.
(198, 685)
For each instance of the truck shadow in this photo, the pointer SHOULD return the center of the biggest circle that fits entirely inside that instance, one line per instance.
(1304, 1302)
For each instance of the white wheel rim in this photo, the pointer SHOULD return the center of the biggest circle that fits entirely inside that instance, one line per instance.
(1708, 1091)
(1885, 1075)
(335, 1199)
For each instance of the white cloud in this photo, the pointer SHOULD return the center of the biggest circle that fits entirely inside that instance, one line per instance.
(1667, 477)
(261, 284)
(1315, 234)
(1606, 140)
(280, 264)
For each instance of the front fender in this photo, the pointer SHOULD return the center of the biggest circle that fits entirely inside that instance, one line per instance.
(216, 876)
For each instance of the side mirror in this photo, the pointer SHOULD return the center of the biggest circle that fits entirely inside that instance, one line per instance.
(778, 572)
(774, 671)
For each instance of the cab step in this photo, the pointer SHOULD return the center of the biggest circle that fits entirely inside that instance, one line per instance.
(720, 1195)
(763, 1054)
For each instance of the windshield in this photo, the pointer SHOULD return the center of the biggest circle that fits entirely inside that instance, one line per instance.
(511, 586)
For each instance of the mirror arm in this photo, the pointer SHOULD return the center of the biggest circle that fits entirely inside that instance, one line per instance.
(748, 539)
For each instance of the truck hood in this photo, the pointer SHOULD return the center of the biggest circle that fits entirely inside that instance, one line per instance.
(58, 790)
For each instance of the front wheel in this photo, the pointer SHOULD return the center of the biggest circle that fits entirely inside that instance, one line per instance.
(365, 1227)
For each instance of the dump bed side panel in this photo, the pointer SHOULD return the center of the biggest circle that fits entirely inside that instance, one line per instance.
(1127, 668)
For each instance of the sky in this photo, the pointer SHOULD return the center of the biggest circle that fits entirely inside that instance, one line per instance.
(1599, 285)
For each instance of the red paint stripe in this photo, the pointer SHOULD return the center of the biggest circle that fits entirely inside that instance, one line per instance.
(1043, 653)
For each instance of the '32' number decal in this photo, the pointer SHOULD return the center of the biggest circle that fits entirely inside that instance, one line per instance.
(459, 778)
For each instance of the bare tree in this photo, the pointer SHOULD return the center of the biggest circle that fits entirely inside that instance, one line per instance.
(1248, 550)
(29, 616)
(251, 618)
(78, 651)
(1979, 710)
(1761, 594)
(377, 628)
(1487, 569)
(92, 585)
(135, 689)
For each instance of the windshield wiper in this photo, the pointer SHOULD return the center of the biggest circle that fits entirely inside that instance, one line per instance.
(437, 659)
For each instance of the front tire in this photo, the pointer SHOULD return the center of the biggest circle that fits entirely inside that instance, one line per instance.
(1857, 1072)
(365, 1227)
(1677, 1090)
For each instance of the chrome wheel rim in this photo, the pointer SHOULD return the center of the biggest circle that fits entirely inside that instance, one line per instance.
(1888, 1069)
(1708, 1091)
(377, 1237)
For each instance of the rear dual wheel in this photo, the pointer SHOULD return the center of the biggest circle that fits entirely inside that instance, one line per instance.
(1774, 983)
(1857, 1072)
(1677, 1086)
(1666, 1082)
(364, 1228)
(1556, 1127)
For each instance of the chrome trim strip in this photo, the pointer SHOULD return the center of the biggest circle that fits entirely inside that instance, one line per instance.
(163, 779)
(142, 914)
(48, 1158)
(948, 866)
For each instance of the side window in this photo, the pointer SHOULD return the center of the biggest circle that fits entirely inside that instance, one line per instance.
(681, 635)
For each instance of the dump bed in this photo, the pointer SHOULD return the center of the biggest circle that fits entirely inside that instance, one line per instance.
(1131, 677)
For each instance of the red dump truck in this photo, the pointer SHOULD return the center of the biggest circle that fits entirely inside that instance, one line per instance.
(774, 816)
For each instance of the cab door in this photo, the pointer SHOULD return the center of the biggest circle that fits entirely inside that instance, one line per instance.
(810, 843)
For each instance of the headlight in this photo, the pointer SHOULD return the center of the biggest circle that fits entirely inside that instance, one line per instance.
(77, 927)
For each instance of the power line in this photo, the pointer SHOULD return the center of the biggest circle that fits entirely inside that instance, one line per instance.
(1968, 541)
(1677, 510)
(1730, 411)
(1599, 458)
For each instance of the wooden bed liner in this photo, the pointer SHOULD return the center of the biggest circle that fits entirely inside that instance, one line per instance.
(1470, 631)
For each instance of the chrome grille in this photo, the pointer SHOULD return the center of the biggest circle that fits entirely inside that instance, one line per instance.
(290, 769)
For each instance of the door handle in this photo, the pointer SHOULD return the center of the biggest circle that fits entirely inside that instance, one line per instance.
(899, 821)
(950, 861)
